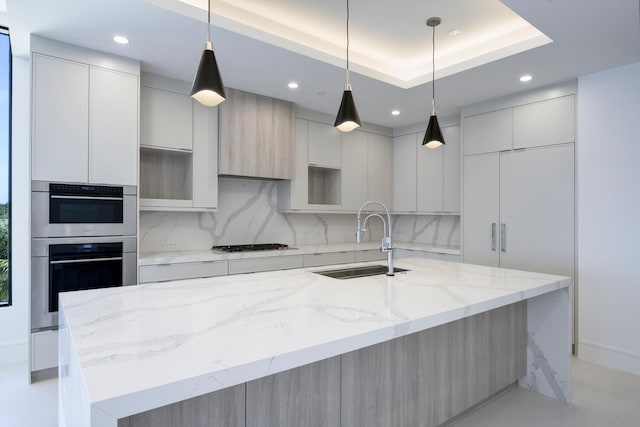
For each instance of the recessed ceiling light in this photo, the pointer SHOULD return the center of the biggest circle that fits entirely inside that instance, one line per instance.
(395, 112)
(293, 85)
(455, 32)
(121, 39)
(526, 78)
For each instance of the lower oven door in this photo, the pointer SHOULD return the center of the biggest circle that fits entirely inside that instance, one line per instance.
(73, 265)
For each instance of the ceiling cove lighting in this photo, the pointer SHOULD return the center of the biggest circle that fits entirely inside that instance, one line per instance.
(347, 118)
(526, 78)
(433, 136)
(208, 88)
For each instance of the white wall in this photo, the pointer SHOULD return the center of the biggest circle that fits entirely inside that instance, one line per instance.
(14, 320)
(608, 215)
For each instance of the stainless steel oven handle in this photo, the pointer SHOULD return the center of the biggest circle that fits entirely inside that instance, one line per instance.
(86, 198)
(73, 261)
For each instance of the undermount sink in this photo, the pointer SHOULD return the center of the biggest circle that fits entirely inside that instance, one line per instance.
(353, 272)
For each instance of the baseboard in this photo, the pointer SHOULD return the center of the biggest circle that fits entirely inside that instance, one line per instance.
(610, 357)
(13, 352)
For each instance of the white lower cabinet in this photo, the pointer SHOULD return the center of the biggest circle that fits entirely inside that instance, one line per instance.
(185, 270)
(443, 257)
(44, 350)
(327, 258)
(413, 253)
(370, 255)
(255, 265)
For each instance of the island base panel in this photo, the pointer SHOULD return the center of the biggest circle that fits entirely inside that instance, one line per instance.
(419, 380)
(222, 408)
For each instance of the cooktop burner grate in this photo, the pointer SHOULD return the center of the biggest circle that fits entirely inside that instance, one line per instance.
(251, 247)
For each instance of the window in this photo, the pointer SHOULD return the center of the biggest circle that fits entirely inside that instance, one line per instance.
(5, 166)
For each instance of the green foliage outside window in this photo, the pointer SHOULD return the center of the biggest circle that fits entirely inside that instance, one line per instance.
(4, 254)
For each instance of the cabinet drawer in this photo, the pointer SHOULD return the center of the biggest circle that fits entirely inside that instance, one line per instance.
(328, 258)
(44, 350)
(184, 270)
(409, 253)
(370, 255)
(254, 265)
(443, 257)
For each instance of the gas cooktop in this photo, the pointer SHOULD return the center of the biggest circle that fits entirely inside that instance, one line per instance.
(251, 247)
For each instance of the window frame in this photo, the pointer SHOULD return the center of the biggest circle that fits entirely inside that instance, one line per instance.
(4, 31)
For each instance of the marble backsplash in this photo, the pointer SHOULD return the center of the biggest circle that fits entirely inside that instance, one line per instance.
(247, 213)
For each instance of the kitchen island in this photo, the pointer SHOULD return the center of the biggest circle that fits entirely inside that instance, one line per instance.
(159, 349)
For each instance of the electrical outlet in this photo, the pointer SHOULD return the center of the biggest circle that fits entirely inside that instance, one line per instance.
(171, 244)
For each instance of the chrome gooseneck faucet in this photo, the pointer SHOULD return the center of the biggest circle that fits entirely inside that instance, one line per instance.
(387, 245)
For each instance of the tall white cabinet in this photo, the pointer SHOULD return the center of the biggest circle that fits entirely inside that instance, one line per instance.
(518, 202)
(519, 209)
(85, 117)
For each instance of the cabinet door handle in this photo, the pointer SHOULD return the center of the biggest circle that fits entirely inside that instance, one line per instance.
(493, 236)
(503, 246)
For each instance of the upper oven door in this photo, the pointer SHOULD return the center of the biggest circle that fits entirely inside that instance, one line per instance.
(70, 210)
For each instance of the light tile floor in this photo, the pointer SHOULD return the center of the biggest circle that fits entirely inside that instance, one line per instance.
(601, 397)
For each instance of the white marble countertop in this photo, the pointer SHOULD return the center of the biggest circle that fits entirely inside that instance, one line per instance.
(155, 258)
(140, 347)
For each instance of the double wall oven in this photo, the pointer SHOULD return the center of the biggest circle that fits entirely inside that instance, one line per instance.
(83, 237)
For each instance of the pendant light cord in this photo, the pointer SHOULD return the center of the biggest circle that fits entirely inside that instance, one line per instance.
(348, 84)
(209, 20)
(433, 72)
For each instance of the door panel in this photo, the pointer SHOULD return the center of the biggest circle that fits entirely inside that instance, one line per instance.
(480, 205)
(537, 208)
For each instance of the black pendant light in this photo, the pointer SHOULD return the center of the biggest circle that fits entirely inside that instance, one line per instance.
(208, 88)
(347, 118)
(433, 136)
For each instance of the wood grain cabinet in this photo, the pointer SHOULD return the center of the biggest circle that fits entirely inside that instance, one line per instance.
(257, 135)
(85, 118)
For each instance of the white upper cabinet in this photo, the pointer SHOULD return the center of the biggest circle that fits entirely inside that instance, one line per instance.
(488, 132)
(452, 172)
(178, 149)
(324, 145)
(430, 178)
(113, 119)
(60, 120)
(379, 163)
(166, 119)
(354, 177)
(547, 122)
(85, 123)
(426, 180)
(205, 157)
(404, 173)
